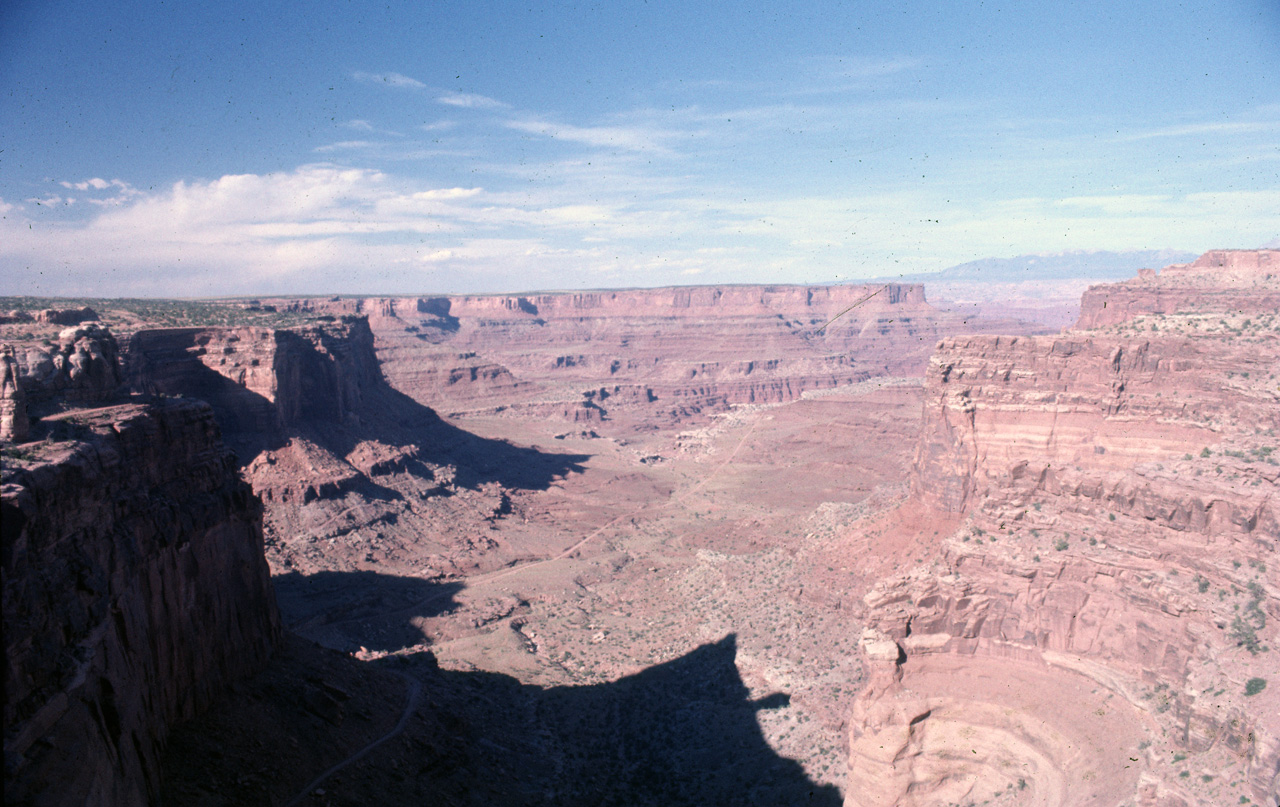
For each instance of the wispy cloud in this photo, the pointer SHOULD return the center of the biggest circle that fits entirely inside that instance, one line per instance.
(363, 230)
(389, 79)
(1210, 129)
(360, 125)
(345, 145)
(97, 183)
(620, 137)
(471, 101)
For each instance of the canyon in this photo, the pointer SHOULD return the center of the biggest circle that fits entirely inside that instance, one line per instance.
(742, 544)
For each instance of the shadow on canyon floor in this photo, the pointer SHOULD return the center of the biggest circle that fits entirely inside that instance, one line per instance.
(346, 610)
(162, 363)
(392, 417)
(683, 732)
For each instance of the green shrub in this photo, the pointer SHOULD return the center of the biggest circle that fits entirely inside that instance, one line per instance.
(1254, 685)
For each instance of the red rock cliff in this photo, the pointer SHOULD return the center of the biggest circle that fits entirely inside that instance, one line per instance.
(135, 588)
(1120, 501)
(260, 381)
(1223, 281)
(647, 349)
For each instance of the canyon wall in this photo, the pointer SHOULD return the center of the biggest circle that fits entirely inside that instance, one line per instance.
(135, 589)
(584, 355)
(353, 474)
(1119, 497)
(260, 381)
(1225, 281)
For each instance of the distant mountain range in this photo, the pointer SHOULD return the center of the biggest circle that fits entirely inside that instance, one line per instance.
(1098, 265)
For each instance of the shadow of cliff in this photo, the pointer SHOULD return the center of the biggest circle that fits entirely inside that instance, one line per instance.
(348, 610)
(681, 732)
(165, 363)
(391, 417)
(684, 732)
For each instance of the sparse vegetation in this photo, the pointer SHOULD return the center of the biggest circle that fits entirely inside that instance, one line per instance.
(1254, 685)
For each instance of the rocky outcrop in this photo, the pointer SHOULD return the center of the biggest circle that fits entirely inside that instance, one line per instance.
(52, 316)
(66, 316)
(135, 589)
(260, 381)
(14, 424)
(82, 368)
(1245, 282)
(1119, 499)
(1003, 407)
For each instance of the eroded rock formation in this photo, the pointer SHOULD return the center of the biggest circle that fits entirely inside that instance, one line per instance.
(135, 589)
(14, 424)
(1120, 500)
(1225, 281)
(652, 351)
(82, 368)
(260, 381)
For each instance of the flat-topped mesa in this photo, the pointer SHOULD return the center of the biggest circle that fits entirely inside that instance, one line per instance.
(672, 301)
(652, 350)
(1219, 282)
(135, 590)
(260, 381)
(689, 301)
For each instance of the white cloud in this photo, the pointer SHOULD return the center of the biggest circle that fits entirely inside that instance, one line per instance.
(97, 183)
(471, 101)
(1212, 129)
(600, 219)
(389, 79)
(51, 200)
(621, 137)
(345, 145)
(123, 192)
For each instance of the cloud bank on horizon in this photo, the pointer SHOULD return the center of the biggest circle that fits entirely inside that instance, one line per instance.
(471, 147)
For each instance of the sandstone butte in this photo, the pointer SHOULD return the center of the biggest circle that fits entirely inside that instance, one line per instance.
(1071, 601)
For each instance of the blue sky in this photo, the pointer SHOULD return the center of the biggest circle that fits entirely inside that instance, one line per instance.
(175, 148)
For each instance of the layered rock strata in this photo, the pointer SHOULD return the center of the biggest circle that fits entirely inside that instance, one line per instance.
(1227, 281)
(135, 589)
(1120, 501)
(353, 475)
(260, 381)
(652, 350)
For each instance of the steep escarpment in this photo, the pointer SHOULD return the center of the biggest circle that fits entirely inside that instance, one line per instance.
(354, 475)
(260, 381)
(652, 352)
(1244, 282)
(1119, 498)
(1004, 407)
(135, 589)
